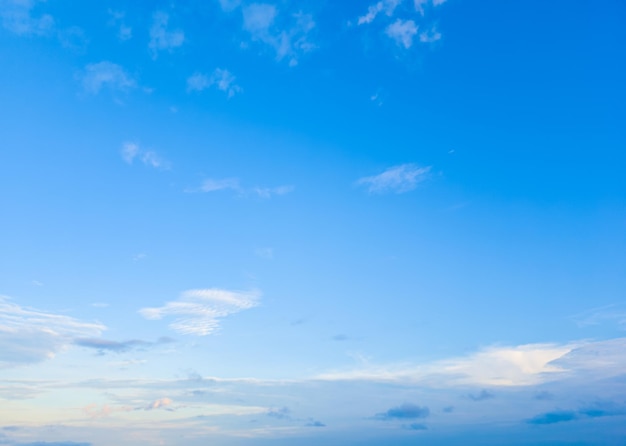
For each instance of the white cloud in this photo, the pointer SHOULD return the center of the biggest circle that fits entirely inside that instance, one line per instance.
(290, 42)
(388, 6)
(28, 335)
(402, 31)
(222, 79)
(106, 74)
(210, 185)
(396, 179)
(159, 404)
(131, 151)
(199, 312)
(160, 37)
(601, 315)
(17, 17)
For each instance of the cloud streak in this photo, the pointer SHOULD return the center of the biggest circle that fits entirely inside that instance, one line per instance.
(199, 312)
(397, 179)
(221, 79)
(98, 76)
(132, 151)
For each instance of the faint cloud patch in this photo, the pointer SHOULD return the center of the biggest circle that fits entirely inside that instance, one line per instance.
(406, 411)
(264, 253)
(398, 179)
(608, 314)
(132, 151)
(289, 41)
(232, 184)
(481, 396)
(199, 312)
(117, 20)
(221, 79)
(161, 38)
(74, 39)
(402, 32)
(18, 17)
(105, 74)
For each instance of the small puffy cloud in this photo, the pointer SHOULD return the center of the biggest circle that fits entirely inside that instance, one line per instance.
(430, 36)
(29, 336)
(221, 79)
(406, 411)
(199, 312)
(268, 192)
(232, 184)
(289, 41)
(213, 185)
(481, 396)
(132, 151)
(105, 74)
(398, 179)
(17, 16)
(161, 38)
(402, 32)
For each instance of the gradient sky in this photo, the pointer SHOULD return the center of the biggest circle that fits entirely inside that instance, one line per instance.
(312, 222)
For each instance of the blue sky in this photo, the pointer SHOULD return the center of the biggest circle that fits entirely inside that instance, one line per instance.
(312, 222)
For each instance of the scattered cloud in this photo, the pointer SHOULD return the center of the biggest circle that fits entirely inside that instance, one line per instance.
(289, 41)
(131, 152)
(29, 336)
(37, 283)
(386, 6)
(430, 36)
(221, 79)
(481, 396)
(97, 76)
(74, 38)
(398, 179)
(264, 253)
(282, 414)
(340, 337)
(315, 424)
(402, 32)
(553, 417)
(18, 17)
(139, 257)
(162, 39)
(124, 32)
(199, 312)
(406, 411)
(268, 192)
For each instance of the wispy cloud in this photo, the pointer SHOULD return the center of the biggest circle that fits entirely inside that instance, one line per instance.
(289, 41)
(402, 32)
(105, 345)
(233, 184)
(388, 6)
(608, 314)
(132, 151)
(199, 312)
(161, 38)
(229, 5)
(28, 335)
(17, 16)
(221, 79)
(398, 179)
(481, 396)
(105, 74)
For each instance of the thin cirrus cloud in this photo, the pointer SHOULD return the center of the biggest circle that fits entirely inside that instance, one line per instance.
(132, 152)
(221, 79)
(98, 76)
(397, 179)
(29, 335)
(161, 37)
(199, 312)
(233, 184)
(103, 346)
